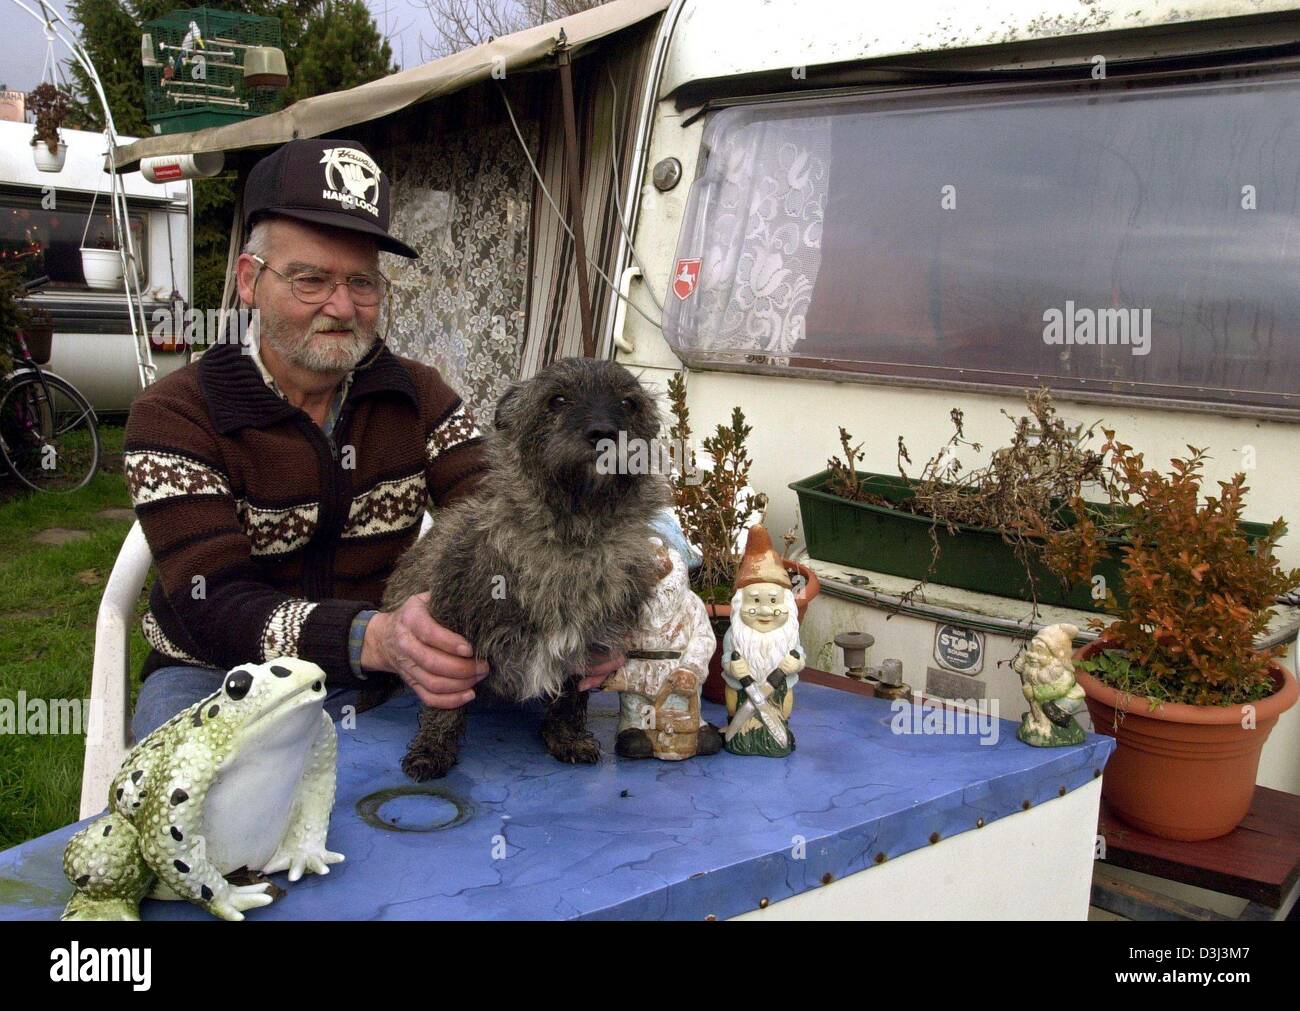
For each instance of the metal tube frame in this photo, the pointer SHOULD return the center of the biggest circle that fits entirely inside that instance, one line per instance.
(51, 20)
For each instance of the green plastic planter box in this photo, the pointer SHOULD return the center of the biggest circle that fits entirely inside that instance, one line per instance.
(898, 543)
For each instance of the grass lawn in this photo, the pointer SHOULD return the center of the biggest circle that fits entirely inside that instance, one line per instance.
(49, 598)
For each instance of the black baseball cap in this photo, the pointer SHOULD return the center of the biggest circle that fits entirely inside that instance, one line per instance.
(325, 182)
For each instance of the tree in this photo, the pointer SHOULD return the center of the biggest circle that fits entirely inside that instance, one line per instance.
(108, 29)
(460, 24)
(327, 45)
(341, 48)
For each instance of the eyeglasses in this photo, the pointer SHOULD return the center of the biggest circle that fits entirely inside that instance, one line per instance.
(315, 289)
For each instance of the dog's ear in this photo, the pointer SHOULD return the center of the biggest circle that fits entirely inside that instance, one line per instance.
(507, 407)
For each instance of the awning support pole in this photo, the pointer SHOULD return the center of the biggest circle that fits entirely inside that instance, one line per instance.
(575, 197)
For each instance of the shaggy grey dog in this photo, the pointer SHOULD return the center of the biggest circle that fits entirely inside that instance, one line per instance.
(548, 560)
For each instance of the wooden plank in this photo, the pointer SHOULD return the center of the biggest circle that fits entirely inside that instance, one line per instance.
(1275, 813)
(837, 681)
(1124, 898)
(1258, 861)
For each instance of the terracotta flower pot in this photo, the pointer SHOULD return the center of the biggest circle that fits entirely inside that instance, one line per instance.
(720, 616)
(1181, 771)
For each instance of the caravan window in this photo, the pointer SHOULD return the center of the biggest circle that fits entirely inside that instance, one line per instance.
(1128, 237)
(48, 242)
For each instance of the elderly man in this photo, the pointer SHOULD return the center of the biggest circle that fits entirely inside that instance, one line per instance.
(278, 483)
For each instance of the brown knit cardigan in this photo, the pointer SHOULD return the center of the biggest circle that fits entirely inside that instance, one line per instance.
(267, 539)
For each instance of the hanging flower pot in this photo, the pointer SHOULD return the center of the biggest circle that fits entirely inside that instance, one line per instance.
(102, 261)
(50, 106)
(47, 161)
(102, 268)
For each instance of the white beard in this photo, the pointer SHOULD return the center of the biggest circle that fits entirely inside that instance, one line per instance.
(317, 354)
(763, 651)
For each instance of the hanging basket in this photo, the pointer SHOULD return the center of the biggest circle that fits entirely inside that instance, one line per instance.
(46, 162)
(51, 110)
(102, 268)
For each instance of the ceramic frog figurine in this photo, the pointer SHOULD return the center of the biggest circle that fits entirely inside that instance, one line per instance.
(244, 778)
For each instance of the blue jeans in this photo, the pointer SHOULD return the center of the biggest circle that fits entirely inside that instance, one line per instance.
(168, 690)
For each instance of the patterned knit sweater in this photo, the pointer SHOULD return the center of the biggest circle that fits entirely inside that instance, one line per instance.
(267, 539)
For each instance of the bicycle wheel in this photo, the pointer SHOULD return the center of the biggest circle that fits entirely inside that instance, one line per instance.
(48, 435)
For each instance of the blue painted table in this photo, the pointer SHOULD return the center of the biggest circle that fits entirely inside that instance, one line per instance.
(512, 834)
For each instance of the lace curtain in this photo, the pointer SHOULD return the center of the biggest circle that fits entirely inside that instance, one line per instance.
(762, 236)
(463, 202)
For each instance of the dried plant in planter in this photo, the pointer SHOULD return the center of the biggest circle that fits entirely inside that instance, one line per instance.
(1198, 592)
(711, 504)
(50, 106)
(1019, 493)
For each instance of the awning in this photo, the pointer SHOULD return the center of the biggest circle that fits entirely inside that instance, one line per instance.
(313, 117)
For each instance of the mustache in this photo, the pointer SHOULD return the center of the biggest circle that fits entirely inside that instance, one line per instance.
(322, 324)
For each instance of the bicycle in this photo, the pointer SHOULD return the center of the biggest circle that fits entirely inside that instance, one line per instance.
(49, 436)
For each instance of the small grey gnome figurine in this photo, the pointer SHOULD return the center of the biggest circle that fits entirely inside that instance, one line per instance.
(667, 662)
(1046, 672)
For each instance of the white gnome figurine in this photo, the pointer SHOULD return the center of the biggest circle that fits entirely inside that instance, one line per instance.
(1046, 670)
(659, 686)
(761, 653)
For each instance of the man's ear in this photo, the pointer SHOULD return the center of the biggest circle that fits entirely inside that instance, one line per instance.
(246, 271)
(507, 407)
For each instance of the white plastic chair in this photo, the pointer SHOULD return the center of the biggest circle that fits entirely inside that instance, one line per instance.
(108, 722)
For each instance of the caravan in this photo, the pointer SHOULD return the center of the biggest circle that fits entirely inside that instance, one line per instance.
(43, 216)
(864, 216)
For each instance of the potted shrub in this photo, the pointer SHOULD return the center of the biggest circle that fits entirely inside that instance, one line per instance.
(51, 106)
(1176, 678)
(101, 263)
(714, 507)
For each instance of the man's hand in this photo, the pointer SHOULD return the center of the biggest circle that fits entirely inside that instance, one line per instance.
(599, 667)
(436, 663)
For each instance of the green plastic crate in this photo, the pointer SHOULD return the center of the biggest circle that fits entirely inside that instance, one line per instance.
(974, 558)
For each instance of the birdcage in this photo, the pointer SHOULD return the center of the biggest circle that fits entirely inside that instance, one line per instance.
(205, 67)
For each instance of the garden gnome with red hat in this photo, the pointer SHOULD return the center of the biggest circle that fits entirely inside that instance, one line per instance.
(761, 653)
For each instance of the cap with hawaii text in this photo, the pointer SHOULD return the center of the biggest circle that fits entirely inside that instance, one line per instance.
(324, 182)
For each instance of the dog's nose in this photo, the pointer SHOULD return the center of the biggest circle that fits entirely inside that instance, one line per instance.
(597, 432)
